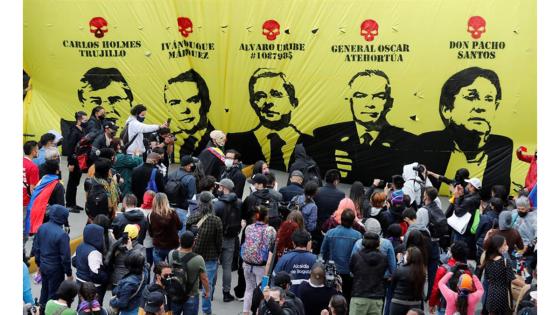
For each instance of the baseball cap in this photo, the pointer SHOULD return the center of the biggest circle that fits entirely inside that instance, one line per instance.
(132, 230)
(259, 179)
(475, 182)
(186, 160)
(154, 302)
(297, 173)
(110, 124)
(227, 183)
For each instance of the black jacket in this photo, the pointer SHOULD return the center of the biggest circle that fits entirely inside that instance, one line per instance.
(74, 136)
(402, 285)
(252, 201)
(238, 179)
(235, 204)
(212, 165)
(133, 216)
(94, 126)
(368, 268)
(141, 177)
(382, 159)
(290, 191)
(292, 306)
(327, 200)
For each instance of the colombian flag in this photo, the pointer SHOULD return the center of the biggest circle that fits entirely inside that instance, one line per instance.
(38, 203)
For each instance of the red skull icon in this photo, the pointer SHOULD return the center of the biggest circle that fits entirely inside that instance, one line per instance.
(271, 29)
(185, 26)
(369, 29)
(98, 26)
(476, 26)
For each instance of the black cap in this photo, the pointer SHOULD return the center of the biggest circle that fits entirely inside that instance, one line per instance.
(110, 124)
(259, 179)
(154, 302)
(186, 160)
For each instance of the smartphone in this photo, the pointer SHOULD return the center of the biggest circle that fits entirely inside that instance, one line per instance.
(125, 237)
(168, 121)
(264, 282)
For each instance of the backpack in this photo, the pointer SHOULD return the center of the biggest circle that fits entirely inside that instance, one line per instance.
(175, 189)
(152, 182)
(274, 214)
(458, 270)
(231, 219)
(312, 173)
(82, 153)
(97, 201)
(178, 285)
(124, 138)
(254, 251)
(438, 223)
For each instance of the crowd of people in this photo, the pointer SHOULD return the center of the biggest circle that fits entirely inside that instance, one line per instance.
(155, 238)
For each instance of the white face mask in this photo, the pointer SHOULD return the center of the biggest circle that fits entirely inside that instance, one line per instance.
(228, 163)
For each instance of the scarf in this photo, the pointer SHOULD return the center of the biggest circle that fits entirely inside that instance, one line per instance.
(89, 307)
(38, 203)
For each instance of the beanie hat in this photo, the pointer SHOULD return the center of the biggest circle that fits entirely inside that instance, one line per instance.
(505, 220)
(397, 197)
(372, 225)
(132, 230)
(465, 282)
(205, 197)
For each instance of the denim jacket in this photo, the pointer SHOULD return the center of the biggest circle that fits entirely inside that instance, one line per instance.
(337, 245)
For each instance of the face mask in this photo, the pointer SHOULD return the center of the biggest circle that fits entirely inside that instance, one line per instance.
(101, 117)
(140, 118)
(522, 214)
(219, 193)
(228, 163)
(193, 167)
(84, 122)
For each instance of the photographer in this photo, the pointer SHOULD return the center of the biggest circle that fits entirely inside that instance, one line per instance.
(116, 255)
(459, 179)
(416, 181)
(164, 140)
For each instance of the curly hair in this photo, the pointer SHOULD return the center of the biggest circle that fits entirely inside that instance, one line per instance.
(284, 237)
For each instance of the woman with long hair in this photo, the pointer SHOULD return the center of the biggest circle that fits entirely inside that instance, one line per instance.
(358, 196)
(164, 224)
(65, 295)
(89, 303)
(297, 217)
(334, 219)
(417, 239)
(408, 283)
(499, 274)
(465, 300)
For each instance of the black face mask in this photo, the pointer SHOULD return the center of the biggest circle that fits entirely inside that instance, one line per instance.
(522, 214)
(101, 117)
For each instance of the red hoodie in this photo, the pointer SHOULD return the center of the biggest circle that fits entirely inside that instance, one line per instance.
(531, 178)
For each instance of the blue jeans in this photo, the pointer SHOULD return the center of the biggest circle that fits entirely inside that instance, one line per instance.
(150, 256)
(211, 270)
(190, 307)
(183, 216)
(160, 254)
(51, 280)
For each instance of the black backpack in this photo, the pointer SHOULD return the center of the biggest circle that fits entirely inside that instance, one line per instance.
(124, 138)
(175, 190)
(312, 173)
(97, 201)
(232, 219)
(438, 223)
(178, 286)
(274, 215)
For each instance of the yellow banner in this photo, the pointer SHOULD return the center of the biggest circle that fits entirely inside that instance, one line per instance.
(365, 85)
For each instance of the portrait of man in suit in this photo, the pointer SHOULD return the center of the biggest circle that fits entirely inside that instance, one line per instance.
(367, 147)
(468, 105)
(273, 98)
(188, 103)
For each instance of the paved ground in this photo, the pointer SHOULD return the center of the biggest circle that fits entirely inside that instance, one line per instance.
(77, 222)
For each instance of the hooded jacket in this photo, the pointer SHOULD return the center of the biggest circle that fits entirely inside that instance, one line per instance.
(368, 268)
(51, 246)
(414, 185)
(220, 205)
(88, 259)
(130, 216)
(252, 201)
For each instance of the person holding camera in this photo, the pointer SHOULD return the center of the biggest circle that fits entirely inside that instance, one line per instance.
(119, 251)
(135, 128)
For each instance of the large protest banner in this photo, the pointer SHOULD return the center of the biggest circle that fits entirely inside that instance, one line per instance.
(365, 85)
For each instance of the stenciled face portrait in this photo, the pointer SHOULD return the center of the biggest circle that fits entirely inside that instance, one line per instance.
(184, 102)
(474, 107)
(188, 102)
(107, 88)
(368, 99)
(272, 98)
